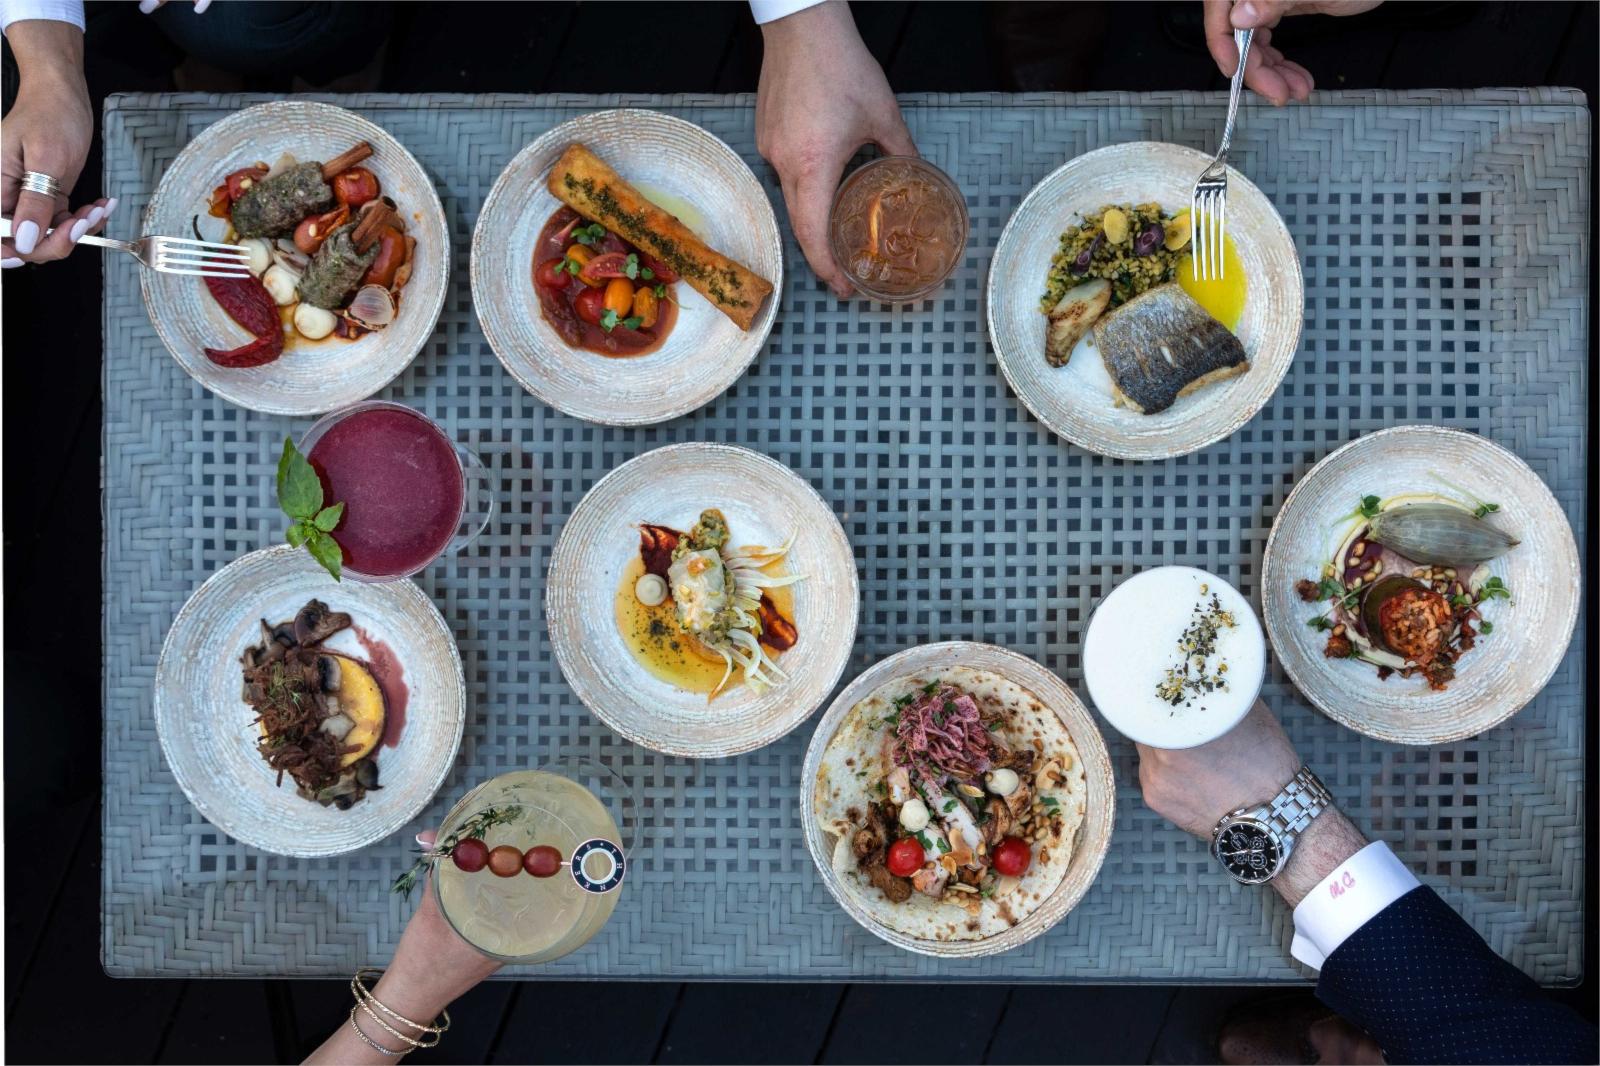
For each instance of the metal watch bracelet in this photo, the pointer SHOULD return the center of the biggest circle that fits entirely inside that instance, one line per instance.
(1301, 800)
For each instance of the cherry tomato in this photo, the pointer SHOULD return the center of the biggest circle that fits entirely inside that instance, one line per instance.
(551, 275)
(590, 305)
(619, 296)
(311, 232)
(355, 186)
(505, 861)
(470, 855)
(609, 265)
(581, 255)
(1012, 856)
(646, 306)
(239, 181)
(905, 857)
(542, 861)
(391, 256)
(659, 270)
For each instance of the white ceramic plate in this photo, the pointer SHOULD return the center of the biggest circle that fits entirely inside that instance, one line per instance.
(1075, 400)
(1094, 838)
(682, 169)
(208, 733)
(765, 503)
(311, 377)
(1508, 667)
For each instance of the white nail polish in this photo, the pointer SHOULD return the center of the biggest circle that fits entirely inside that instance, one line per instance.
(10, 264)
(79, 228)
(26, 236)
(147, 6)
(94, 216)
(111, 205)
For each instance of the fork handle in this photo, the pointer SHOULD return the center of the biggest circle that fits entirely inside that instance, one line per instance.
(1241, 38)
(98, 242)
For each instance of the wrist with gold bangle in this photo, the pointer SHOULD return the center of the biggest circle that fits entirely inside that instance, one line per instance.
(365, 1001)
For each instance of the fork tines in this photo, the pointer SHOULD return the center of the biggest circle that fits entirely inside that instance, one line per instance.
(1208, 207)
(179, 255)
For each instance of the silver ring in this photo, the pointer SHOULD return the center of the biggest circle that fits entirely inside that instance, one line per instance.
(42, 184)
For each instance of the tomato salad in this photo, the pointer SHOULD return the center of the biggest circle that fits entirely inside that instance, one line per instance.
(328, 253)
(599, 292)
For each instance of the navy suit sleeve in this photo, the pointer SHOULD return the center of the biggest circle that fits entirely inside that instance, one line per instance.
(1423, 983)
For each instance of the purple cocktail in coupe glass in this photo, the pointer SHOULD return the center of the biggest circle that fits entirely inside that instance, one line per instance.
(403, 483)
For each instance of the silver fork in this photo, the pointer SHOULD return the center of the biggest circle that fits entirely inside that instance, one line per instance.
(174, 255)
(1208, 203)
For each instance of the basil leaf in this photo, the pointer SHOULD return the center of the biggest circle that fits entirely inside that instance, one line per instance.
(299, 488)
(325, 550)
(299, 533)
(328, 517)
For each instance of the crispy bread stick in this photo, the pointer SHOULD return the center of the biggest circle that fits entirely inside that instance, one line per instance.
(581, 181)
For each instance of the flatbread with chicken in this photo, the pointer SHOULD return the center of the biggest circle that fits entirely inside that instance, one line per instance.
(952, 803)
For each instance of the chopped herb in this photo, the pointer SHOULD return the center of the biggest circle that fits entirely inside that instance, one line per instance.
(881, 789)
(1486, 508)
(904, 701)
(986, 890)
(1485, 627)
(892, 719)
(1049, 801)
(1370, 506)
(931, 687)
(922, 838)
(944, 845)
(949, 805)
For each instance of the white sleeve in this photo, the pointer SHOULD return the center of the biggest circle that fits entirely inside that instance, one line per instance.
(1347, 899)
(767, 10)
(53, 10)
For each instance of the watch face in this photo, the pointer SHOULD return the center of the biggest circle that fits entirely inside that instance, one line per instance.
(1249, 850)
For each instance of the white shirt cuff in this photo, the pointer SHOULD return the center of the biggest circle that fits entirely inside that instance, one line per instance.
(773, 10)
(52, 10)
(1347, 899)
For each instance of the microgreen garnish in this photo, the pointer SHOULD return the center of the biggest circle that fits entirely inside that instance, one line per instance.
(571, 266)
(300, 496)
(1494, 589)
(1319, 622)
(1485, 627)
(1370, 506)
(661, 290)
(472, 829)
(1486, 508)
(647, 274)
(1461, 600)
(630, 267)
(589, 234)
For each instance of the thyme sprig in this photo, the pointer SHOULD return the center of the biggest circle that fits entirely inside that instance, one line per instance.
(472, 829)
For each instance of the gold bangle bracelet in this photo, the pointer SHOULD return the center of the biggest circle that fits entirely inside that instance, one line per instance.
(371, 1043)
(361, 992)
(397, 1034)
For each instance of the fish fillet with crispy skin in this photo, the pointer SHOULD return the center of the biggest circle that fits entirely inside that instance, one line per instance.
(583, 182)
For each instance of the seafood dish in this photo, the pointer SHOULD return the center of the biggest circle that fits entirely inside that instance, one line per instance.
(321, 713)
(1408, 582)
(952, 803)
(1161, 346)
(692, 607)
(583, 182)
(328, 253)
(1123, 274)
(598, 291)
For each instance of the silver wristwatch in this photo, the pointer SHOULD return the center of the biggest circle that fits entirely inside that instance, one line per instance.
(1254, 843)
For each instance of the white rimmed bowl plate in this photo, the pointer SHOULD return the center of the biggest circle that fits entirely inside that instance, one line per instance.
(310, 377)
(682, 169)
(208, 732)
(1075, 401)
(1507, 668)
(765, 503)
(1094, 837)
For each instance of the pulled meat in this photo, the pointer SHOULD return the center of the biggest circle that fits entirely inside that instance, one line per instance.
(871, 844)
(998, 823)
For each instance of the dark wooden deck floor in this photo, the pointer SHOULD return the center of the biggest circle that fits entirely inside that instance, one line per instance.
(60, 1007)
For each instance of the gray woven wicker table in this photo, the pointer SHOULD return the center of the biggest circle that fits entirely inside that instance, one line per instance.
(1444, 244)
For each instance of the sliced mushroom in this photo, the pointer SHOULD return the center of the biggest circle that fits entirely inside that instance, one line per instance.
(316, 623)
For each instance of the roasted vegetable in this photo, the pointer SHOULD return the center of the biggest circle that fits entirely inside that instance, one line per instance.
(336, 269)
(1439, 534)
(1407, 618)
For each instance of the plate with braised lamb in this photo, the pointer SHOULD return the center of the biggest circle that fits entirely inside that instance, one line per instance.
(626, 267)
(348, 251)
(1421, 585)
(305, 717)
